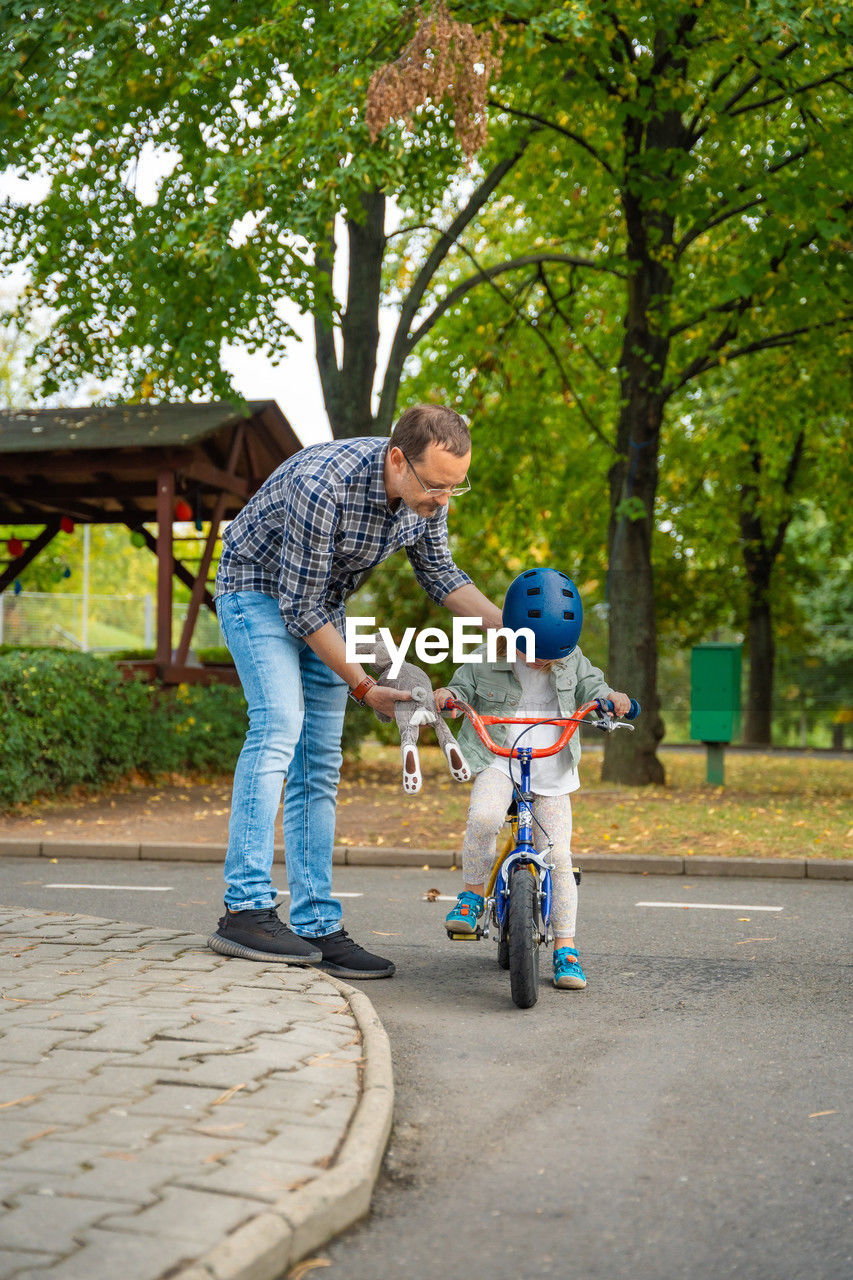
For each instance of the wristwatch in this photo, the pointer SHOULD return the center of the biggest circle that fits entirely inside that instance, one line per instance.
(357, 694)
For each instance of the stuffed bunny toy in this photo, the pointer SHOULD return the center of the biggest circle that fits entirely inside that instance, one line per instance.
(411, 715)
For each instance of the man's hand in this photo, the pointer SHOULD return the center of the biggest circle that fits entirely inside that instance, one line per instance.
(381, 698)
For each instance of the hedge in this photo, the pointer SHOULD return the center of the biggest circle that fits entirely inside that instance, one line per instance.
(70, 719)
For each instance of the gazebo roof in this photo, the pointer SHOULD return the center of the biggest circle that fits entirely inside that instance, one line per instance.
(131, 465)
(100, 464)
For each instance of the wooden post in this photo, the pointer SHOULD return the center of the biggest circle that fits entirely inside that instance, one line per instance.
(19, 563)
(200, 584)
(165, 505)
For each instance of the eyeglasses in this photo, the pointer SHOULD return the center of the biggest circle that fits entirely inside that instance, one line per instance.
(453, 492)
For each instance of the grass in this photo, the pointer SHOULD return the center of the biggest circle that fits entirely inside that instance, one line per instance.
(771, 806)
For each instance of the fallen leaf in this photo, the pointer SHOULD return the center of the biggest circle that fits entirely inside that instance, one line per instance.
(308, 1265)
(42, 1133)
(432, 894)
(337, 1062)
(229, 1093)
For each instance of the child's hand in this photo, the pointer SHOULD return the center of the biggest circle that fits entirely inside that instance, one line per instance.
(621, 703)
(441, 697)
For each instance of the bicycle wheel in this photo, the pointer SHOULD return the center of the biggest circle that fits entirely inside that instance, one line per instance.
(523, 922)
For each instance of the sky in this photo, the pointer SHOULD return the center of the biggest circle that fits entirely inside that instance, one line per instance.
(294, 384)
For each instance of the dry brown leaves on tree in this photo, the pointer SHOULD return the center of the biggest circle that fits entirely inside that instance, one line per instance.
(445, 58)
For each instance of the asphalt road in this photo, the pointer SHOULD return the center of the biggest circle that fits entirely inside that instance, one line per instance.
(688, 1115)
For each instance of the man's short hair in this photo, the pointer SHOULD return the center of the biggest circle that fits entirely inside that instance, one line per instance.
(426, 424)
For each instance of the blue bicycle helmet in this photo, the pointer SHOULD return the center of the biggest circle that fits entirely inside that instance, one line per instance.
(547, 602)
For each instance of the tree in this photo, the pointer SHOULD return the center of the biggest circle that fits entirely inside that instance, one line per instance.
(254, 126)
(689, 156)
(771, 437)
(815, 649)
(699, 150)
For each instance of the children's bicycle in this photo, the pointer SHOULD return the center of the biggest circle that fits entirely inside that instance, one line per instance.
(518, 890)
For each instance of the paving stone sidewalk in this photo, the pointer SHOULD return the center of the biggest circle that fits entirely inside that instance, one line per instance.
(167, 1111)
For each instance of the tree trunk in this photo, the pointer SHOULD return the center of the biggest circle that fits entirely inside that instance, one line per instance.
(760, 552)
(758, 567)
(348, 383)
(761, 649)
(632, 661)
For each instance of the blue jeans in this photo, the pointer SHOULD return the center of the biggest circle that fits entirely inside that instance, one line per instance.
(296, 715)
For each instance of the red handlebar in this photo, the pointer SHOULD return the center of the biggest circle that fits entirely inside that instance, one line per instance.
(479, 722)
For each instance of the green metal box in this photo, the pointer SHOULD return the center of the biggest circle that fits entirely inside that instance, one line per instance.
(715, 692)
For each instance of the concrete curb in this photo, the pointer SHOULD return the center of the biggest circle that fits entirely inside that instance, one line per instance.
(276, 1238)
(433, 859)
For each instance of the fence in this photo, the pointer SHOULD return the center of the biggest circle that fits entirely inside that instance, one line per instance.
(93, 623)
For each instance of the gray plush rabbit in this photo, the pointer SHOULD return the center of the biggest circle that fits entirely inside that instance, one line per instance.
(411, 715)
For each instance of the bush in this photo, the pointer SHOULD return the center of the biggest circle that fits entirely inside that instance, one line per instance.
(199, 729)
(71, 719)
(218, 655)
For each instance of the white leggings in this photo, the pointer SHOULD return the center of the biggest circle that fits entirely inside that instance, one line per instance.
(490, 796)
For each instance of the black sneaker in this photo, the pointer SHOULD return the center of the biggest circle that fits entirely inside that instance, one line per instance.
(260, 935)
(342, 956)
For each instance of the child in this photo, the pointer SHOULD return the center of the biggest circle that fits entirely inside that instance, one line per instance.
(553, 685)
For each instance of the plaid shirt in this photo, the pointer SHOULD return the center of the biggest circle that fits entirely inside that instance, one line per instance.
(317, 526)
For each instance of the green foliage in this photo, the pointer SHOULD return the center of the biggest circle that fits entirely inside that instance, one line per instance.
(751, 465)
(67, 719)
(815, 653)
(679, 217)
(115, 567)
(678, 202)
(71, 720)
(218, 654)
(17, 383)
(254, 125)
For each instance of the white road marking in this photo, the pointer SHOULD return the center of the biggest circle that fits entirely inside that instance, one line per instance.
(707, 906)
(125, 888)
(285, 893)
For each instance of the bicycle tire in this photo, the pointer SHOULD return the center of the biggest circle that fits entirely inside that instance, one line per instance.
(523, 928)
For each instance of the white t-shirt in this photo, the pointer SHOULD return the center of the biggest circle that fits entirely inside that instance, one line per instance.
(549, 775)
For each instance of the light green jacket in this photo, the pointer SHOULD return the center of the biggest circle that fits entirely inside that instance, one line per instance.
(492, 689)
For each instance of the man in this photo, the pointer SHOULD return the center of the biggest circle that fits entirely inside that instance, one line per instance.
(289, 561)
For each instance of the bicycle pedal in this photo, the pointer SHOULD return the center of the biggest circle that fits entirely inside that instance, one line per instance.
(465, 937)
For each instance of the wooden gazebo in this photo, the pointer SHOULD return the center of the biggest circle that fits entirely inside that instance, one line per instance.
(131, 465)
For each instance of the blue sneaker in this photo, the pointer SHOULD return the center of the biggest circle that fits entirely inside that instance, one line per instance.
(567, 970)
(465, 916)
